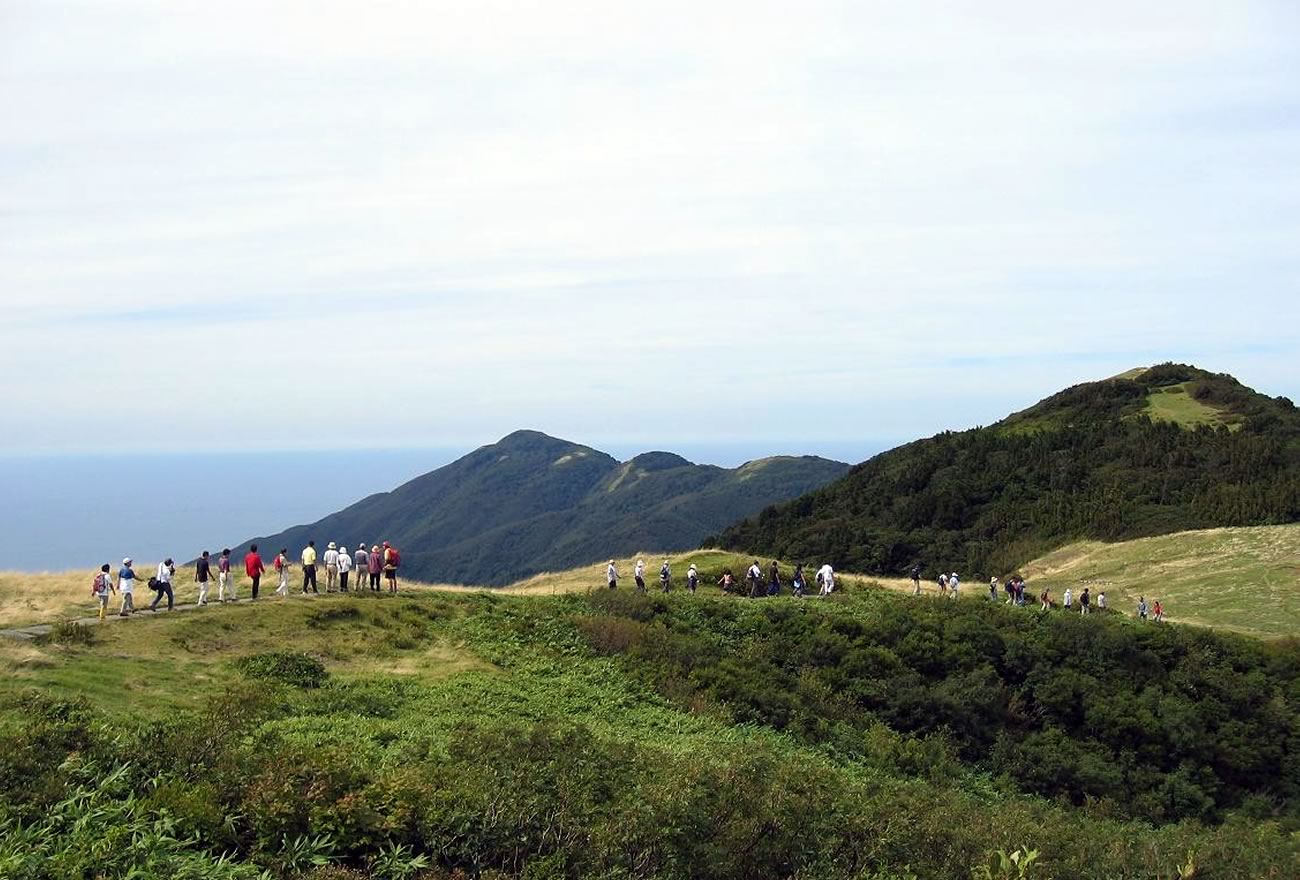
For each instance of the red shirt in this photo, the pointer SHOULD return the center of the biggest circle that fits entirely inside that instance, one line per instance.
(253, 564)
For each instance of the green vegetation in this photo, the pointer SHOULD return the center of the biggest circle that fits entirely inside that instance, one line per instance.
(532, 503)
(1087, 463)
(611, 735)
(1244, 579)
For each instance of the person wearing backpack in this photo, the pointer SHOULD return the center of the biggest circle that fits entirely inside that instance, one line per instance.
(162, 585)
(797, 581)
(826, 578)
(375, 566)
(943, 584)
(916, 579)
(754, 579)
(392, 561)
(101, 588)
(665, 577)
(282, 570)
(692, 578)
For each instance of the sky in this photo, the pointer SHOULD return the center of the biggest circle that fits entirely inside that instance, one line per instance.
(317, 225)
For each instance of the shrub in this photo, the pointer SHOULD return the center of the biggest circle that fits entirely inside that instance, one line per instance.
(300, 670)
(67, 632)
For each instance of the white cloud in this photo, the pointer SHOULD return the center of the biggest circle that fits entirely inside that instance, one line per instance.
(667, 220)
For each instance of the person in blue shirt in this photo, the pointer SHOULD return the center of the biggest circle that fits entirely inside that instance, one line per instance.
(126, 586)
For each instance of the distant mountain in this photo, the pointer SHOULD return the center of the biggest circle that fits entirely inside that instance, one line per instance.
(1153, 451)
(533, 503)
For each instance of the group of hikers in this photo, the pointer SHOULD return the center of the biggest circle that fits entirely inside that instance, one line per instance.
(757, 585)
(1014, 591)
(370, 566)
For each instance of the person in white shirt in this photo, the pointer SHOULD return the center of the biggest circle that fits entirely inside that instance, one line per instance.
(611, 575)
(754, 577)
(282, 569)
(345, 566)
(692, 578)
(954, 583)
(638, 574)
(826, 578)
(1068, 599)
(665, 577)
(166, 571)
(331, 560)
(1101, 601)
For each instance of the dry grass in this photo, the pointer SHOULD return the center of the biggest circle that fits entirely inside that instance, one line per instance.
(1243, 579)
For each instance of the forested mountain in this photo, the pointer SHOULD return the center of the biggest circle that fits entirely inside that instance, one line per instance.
(1154, 451)
(531, 503)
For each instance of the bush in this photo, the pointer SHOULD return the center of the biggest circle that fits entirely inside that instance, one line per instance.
(299, 670)
(67, 632)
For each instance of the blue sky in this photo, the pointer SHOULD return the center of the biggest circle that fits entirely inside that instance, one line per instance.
(324, 224)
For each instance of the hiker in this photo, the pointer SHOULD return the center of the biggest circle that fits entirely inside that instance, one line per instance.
(202, 574)
(1101, 601)
(1085, 602)
(754, 577)
(797, 582)
(826, 580)
(345, 565)
(773, 579)
(162, 584)
(727, 581)
(943, 583)
(638, 575)
(126, 586)
(331, 560)
(392, 559)
(1046, 598)
(1067, 601)
(374, 565)
(309, 567)
(361, 562)
(916, 579)
(1157, 612)
(1020, 590)
(282, 569)
(953, 583)
(993, 589)
(665, 577)
(611, 575)
(254, 568)
(692, 578)
(224, 580)
(1142, 608)
(101, 588)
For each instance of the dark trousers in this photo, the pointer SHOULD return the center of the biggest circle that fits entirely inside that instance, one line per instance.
(257, 582)
(163, 589)
(343, 581)
(374, 580)
(309, 577)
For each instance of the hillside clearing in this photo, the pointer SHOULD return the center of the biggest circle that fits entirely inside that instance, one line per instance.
(1242, 579)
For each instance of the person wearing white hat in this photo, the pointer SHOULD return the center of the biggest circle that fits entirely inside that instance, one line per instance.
(331, 560)
(665, 577)
(611, 575)
(826, 580)
(638, 574)
(692, 578)
(126, 586)
(954, 583)
(345, 566)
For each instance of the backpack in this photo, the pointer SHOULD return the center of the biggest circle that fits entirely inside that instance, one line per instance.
(98, 586)
(279, 562)
(394, 558)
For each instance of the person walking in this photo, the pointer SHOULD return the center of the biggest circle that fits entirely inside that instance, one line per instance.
(203, 574)
(916, 579)
(374, 566)
(282, 570)
(773, 579)
(692, 578)
(309, 567)
(1142, 608)
(1101, 602)
(344, 563)
(1045, 598)
(391, 561)
(826, 579)
(331, 560)
(224, 580)
(754, 579)
(1085, 602)
(1067, 601)
(954, 583)
(797, 581)
(993, 590)
(163, 585)
(101, 588)
(665, 577)
(943, 584)
(254, 568)
(126, 586)
(638, 575)
(727, 581)
(1157, 611)
(611, 575)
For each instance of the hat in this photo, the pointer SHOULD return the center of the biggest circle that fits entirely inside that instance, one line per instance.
(362, 545)
(126, 561)
(385, 543)
(331, 546)
(611, 562)
(374, 546)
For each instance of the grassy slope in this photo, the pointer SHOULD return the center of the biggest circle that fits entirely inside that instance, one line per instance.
(1174, 404)
(1243, 579)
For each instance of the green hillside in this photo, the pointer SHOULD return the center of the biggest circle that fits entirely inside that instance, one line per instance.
(1161, 450)
(440, 736)
(533, 503)
(1245, 579)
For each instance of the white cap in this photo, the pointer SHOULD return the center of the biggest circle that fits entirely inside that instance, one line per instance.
(126, 561)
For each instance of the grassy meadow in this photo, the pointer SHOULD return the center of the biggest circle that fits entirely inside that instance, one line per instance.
(1241, 579)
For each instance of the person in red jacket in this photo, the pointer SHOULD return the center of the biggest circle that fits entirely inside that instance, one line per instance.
(254, 568)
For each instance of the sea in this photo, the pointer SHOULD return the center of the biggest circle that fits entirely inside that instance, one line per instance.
(64, 512)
